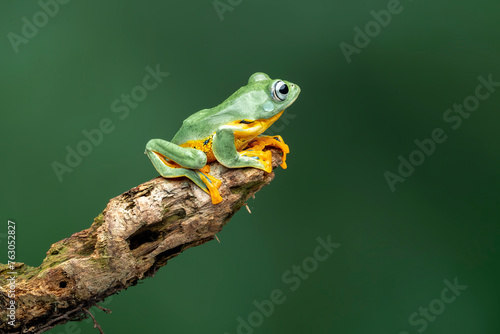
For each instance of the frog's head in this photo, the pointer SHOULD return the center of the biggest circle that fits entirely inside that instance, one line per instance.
(262, 97)
(274, 95)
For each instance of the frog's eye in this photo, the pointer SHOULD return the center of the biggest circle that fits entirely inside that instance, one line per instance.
(280, 91)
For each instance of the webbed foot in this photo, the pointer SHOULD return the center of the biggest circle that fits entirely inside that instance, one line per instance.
(259, 143)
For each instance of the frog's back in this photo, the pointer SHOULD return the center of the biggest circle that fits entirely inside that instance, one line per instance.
(199, 116)
(195, 127)
(204, 123)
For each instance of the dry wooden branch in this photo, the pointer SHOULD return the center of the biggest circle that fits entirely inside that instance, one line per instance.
(136, 234)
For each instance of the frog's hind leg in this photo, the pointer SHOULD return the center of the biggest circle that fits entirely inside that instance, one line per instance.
(212, 184)
(184, 156)
(172, 169)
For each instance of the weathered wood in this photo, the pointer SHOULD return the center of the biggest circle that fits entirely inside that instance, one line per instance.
(136, 234)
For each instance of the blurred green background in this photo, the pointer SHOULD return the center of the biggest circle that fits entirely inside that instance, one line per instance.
(348, 127)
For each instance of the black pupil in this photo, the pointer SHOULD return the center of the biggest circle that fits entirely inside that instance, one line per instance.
(283, 89)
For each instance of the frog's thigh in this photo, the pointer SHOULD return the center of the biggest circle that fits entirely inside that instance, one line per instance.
(225, 152)
(184, 156)
(171, 172)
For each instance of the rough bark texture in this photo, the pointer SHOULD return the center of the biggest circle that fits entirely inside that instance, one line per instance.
(136, 234)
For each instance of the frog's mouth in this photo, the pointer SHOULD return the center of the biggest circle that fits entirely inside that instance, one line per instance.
(296, 90)
(295, 98)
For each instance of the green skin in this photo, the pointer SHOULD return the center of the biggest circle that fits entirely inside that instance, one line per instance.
(251, 102)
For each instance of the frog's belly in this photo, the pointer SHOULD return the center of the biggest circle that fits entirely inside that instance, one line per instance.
(205, 145)
(245, 132)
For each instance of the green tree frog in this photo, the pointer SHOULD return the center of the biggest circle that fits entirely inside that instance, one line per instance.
(229, 133)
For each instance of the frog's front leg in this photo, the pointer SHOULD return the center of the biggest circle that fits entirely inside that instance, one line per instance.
(170, 159)
(259, 143)
(225, 152)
